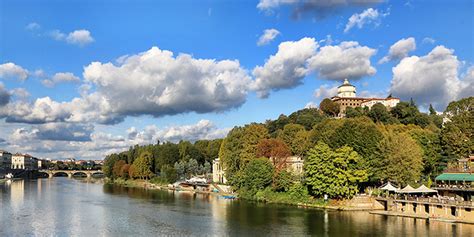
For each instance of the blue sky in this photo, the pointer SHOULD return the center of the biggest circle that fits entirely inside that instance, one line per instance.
(47, 49)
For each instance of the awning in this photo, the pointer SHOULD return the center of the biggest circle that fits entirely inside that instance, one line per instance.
(389, 187)
(455, 177)
(407, 189)
(424, 189)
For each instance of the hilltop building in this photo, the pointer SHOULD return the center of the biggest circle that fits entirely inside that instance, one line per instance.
(347, 97)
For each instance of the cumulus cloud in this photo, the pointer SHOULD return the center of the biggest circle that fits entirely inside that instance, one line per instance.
(12, 71)
(2, 141)
(33, 26)
(286, 68)
(400, 50)
(152, 83)
(59, 78)
(317, 8)
(54, 132)
(157, 83)
(368, 16)
(428, 40)
(268, 36)
(203, 130)
(346, 60)
(431, 79)
(4, 96)
(80, 37)
(325, 91)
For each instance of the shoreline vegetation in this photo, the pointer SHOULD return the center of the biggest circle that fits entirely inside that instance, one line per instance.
(266, 196)
(342, 158)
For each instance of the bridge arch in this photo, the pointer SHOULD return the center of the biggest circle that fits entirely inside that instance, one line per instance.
(60, 173)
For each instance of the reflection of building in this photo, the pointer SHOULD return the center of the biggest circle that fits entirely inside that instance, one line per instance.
(218, 174)
(24, 162)
(346, 97)
(5, 160)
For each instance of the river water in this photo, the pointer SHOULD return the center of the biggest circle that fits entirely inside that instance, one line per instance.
(70, 207)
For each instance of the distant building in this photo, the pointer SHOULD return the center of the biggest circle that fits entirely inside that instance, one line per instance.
(5, 160)
(347, 97)
(218, 173)
(24, 162)
(457, 180)
(294, 164)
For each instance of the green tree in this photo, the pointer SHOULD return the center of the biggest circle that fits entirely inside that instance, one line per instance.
(295, 136)
(308, 117)
(256, 175)
(142, 165)
(169, 174)
(379, 113)
(329, 107)
(401, 158)
(429, 142)
(230, 150)
(456, 135)
(282, 181)
(336, 173)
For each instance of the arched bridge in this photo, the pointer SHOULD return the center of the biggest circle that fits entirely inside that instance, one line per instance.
(71, 173)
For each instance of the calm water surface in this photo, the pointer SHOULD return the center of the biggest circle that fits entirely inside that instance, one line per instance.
(68, 207)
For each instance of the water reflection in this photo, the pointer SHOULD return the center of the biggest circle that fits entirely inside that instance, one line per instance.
(64, 207)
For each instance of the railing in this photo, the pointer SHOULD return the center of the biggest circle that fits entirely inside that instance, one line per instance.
(459, 170)
(454, 186)
(435, 200)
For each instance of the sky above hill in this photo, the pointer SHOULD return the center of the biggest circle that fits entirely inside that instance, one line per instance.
(86, 78)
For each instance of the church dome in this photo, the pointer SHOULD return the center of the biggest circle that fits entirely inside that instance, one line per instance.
(346, 90)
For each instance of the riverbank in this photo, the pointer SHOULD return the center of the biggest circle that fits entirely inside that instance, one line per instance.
(269, 197)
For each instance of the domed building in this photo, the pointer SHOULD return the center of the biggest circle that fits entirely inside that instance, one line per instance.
(347, 97)
(346, 90)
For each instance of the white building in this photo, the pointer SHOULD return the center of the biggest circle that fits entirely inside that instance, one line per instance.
(218, 173)
(388, 102)
(24, 162)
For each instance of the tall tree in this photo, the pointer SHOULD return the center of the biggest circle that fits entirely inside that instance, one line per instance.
(379, 113)
(329, 107)
(290, 134)
(142, 165)
(274, 149)
(457, 133)
(396, 152)
(336, 173)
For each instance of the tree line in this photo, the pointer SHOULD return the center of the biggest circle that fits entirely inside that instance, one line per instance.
(341, 156)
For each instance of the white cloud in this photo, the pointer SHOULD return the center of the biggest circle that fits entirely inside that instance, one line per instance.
(54, 132)
(268, 36)
(59, 78)
(21, 93)
(428, 40)
(203, 130)
(80, 37)
(77, 37)
(12, 71)
(431, 79)
(33, 26)
(346, 60)
(368, 16)
(400, 50)
(286, 68)
(325, 91)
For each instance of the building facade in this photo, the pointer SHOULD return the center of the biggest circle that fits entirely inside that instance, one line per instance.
(24, 162)
(5, 160)
(218, 173)
(347, 97)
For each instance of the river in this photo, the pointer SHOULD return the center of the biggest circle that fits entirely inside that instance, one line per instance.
(70, 207)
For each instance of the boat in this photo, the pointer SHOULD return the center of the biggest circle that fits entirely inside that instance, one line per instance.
(9, 176)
